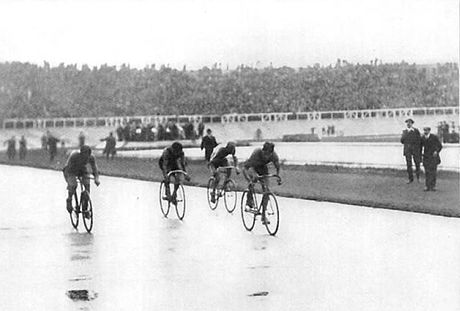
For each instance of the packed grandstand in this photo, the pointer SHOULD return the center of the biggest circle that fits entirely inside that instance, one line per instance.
(33, 91)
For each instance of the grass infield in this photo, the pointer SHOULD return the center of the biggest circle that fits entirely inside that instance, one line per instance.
(379, 188)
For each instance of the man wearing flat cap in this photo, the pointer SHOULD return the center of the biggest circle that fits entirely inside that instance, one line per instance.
(412, 141)
(431, 148)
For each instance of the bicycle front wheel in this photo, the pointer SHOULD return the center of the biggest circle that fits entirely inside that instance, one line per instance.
(164, 201)
(248, 213)
(87, 213)
(272, 215)
(74, 213)
(180, 202)
(230, 195)
(209, 194)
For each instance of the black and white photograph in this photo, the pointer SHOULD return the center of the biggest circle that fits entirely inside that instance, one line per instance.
(229, 155)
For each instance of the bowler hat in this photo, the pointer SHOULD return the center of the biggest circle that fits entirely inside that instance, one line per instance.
(409, 120)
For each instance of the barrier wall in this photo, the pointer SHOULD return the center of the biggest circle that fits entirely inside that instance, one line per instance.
(250, 126)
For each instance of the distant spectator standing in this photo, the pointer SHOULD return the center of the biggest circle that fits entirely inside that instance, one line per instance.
(81, 139)
(120, 132)
(52, 146)
(110, 146)
(412, 141)
(431, 148)
(11, 148)
(44, 141)
(208, 143)
(22, 148)
(200, 129)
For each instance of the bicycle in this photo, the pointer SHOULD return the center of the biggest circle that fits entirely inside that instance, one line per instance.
(178, 200)
(228, 190)
(81, 204)
(270, 210)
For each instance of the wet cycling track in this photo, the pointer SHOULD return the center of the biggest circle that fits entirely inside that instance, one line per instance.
(325, 256)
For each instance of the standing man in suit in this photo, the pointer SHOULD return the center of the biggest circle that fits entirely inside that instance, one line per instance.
(208, 143)
(431, 148)
(412, 141)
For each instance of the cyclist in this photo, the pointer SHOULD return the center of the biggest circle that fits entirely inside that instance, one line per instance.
(220, 159)
(257, 165)
(75, 167)
(172, 159)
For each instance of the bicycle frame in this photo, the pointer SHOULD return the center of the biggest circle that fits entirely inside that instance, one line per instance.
(262, 209)
(223, 170)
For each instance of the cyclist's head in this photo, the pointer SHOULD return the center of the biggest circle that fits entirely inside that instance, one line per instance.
(176, 147)
(231, 147)
(268, 147)
(85, 150)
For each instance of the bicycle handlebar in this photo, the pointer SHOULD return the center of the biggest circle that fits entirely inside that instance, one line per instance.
(222, 168)
(261, 177)
(177, 171)
(79, 178)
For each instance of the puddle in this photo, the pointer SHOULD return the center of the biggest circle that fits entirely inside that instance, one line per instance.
(258, 294)
(79, 257)
(81, 295)
(258, 267)
(260, 248)
(80, 278)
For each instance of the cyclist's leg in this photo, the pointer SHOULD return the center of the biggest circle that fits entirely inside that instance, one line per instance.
(265, 186)
(166, 181)
(228, 171)
(177, 181)
(71, 188)
(250, 175)
(85, 180)
(214, 173)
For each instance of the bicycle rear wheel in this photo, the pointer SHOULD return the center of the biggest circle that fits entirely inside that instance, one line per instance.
(88, 212)
(74, 213)
(230, 195)
(248, 214)
(209, 193)
(164, 202)
(272, 214)
(180, 202)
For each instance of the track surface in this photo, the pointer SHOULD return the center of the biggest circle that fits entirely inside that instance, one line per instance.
(325, 257)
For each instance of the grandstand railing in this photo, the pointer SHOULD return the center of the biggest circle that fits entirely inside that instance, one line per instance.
(227, 118)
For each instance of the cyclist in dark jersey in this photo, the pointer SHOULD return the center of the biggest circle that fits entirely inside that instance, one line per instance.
(76, 168)
(172, 159)
(257, 165)
(220, 160)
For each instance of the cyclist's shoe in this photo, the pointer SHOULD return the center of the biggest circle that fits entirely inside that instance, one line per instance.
(84, 205)
(87, 215)
(213, 198)
(249, 206)
(174, 201)
(165, 198)
(265, 221)
(69, 205)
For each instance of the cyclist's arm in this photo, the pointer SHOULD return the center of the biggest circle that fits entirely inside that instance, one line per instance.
(181, 160)
(276, 163)
(235, 160)
(92, 163)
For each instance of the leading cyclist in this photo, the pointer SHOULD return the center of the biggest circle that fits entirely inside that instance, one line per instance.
(172, 159)
(256, 166)
(75, 167)
(219, 160)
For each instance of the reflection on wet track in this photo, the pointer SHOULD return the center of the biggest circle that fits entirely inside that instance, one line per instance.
(325, 256)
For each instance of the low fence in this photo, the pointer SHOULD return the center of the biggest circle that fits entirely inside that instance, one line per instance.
(43, 123)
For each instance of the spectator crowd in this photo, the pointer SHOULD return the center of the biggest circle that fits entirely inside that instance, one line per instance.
(33, 91)
(138, 131)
